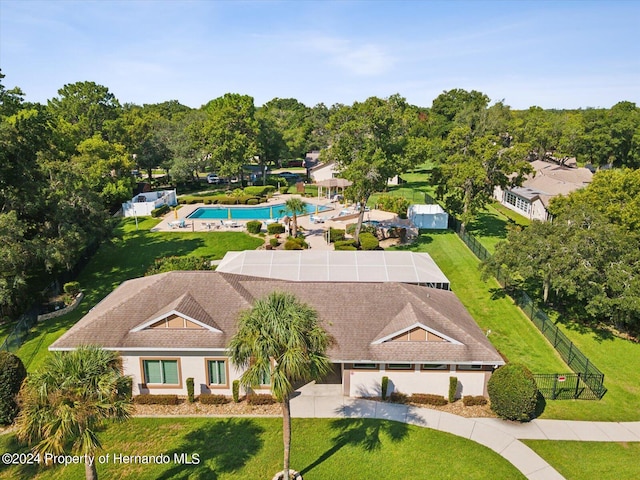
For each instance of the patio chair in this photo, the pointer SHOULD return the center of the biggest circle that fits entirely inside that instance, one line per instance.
(182, 223)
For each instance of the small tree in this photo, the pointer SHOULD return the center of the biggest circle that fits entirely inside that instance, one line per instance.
(12, 373)
(513, 392)
(384, 387)
(296, 206)
(453, 389)
(281, 329)
(66, 402)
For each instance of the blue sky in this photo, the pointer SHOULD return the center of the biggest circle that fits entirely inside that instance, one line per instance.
(554, 54)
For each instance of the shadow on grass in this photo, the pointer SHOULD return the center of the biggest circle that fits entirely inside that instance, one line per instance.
(488, 225)
(223, 446)
(364, 433)
(541, 404)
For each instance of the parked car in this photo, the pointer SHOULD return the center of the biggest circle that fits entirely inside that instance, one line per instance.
(213, 178)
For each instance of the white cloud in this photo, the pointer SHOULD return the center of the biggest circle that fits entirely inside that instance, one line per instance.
(361, 60)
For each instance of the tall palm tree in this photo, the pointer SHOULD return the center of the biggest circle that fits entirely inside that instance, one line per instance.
(296, 206)
(280, 328)
(72, 395)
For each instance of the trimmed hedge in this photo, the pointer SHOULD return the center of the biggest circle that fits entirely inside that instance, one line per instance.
(12, 374)
(470, 401)
(368, 241)
(150, 399)
(398, 397)
(190, 396)
(345, 245)
(384, 387)
(275, 228)
(274, 242)
(254, 226)
(513, 392)
(260, 190)
(71, 288)
(453, 388)
(335, 234)
(428, 399)
(260, 399)
(213, 399)
(235, 389)
(157, 212)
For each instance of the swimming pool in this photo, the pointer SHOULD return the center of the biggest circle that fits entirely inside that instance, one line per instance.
(264, 212)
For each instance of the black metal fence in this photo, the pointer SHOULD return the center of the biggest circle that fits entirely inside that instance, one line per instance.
(588, 383)
(20, 332)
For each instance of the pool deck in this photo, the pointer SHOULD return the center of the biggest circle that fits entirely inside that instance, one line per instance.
(337, 217)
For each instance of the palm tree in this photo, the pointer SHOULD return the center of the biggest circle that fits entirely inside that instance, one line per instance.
(280, 328)
(65, 402)
(295, 205)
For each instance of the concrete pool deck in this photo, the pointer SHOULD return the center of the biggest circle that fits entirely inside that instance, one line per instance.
(337, 217)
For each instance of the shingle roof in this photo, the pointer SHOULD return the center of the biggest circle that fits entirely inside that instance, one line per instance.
(550, 180)
(355, 314)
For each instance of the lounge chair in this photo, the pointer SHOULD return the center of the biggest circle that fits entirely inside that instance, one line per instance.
(181, 223)
(316, 219)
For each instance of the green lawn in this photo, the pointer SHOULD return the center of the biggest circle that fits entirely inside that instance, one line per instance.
(251, 448)
(492, 225)
(580, 460)
(128, 254)
(512, 333)
(515, 336)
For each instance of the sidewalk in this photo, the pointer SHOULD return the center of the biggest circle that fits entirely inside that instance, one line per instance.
(501, 436)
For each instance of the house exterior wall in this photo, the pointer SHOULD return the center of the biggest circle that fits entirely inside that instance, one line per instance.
(537, 210)
(323, 172)
(367, 383)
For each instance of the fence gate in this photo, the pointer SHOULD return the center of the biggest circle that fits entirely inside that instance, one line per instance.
(564, 386)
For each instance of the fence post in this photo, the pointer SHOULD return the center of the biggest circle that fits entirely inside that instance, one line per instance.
(575, 395)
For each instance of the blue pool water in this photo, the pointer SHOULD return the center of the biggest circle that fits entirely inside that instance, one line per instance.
(264, 212)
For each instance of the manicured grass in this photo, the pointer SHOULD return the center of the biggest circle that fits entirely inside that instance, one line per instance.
(619, 360)
(515, 336)
(580, 460)
(251, 448)
(492, 225)
(127, 255)
(512, 333)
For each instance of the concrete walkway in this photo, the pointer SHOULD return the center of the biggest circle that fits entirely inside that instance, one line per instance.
(503, 437)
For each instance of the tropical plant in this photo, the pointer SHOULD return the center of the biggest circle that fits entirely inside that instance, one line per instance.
(296, 206)
(66, 402)
(280, 329)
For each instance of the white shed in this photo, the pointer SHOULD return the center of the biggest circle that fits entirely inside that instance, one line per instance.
(428, 216)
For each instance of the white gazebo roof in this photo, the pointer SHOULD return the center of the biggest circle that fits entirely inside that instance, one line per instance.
(336, 266)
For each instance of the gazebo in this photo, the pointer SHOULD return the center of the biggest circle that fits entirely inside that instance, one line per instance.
(333, 184)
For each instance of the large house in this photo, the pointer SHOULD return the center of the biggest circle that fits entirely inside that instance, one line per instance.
(172, 326)
(547, 181)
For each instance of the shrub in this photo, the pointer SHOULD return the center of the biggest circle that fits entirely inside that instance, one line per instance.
(470, 401)
(274, 242)
(345, 245)
(168, 264)
(453, 389)
(368, 241)
(149, 399)
(351, 228)
(335, 235)
(253, 201)
(428, 399)
(260, 399)
(513, 392)
(213, 399)
(12, 373)
(235, 388)
(71, 288)
(275, 228)
(384, 387)
(397, 205)
(157, 212)
(254, 226)
(190, 396)
(291, 244)
(398, 397)
(208, 201)
(260, 190)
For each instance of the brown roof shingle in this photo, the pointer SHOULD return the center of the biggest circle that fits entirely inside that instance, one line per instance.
(355, 314)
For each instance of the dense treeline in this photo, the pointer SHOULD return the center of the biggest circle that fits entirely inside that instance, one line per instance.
(65, 166)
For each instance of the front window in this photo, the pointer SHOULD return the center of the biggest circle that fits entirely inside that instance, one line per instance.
(162, 372)
(399, 366)
(365, 366)
(217, 372)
